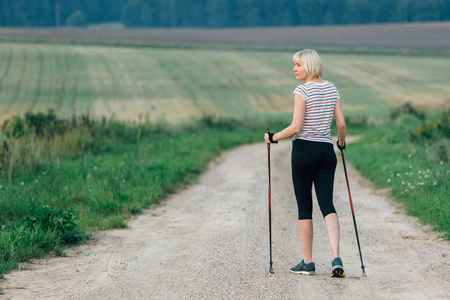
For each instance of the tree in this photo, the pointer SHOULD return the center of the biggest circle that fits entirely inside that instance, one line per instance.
(361, 11)
(310, 12)
(77, 19)
(217, 13)
(131, 13)
(222, 13)
(147, 16)
(428, 10)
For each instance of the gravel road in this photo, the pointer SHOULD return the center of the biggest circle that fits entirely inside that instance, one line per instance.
(210, 241)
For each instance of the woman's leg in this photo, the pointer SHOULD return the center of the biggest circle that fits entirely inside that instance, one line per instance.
(323, 183)
(332, 224)
(306, 238)
(302, 177)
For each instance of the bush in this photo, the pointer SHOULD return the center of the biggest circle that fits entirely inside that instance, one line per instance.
(62, 222)
(436, 130)
(408, 109)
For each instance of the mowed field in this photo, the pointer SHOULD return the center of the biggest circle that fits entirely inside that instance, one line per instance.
(175, 84)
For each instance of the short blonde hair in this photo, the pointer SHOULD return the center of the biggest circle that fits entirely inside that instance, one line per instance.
(311, 62)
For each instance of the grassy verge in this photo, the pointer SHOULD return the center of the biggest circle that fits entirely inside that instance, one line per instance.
(60, 180)
(410, 155)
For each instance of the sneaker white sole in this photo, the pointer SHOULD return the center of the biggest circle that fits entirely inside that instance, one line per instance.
(304, 272)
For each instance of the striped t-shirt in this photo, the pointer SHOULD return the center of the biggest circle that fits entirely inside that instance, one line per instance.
(320, 101)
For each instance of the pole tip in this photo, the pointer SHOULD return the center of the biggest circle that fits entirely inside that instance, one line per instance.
(271, 269)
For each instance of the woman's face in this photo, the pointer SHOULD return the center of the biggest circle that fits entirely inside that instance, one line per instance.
(300, 73)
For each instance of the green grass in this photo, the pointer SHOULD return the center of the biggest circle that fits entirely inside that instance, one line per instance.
(413, 166)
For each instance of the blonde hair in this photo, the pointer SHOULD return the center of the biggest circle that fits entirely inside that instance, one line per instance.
(311, 62)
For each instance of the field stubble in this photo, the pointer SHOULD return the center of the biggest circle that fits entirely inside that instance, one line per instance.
(174, 86)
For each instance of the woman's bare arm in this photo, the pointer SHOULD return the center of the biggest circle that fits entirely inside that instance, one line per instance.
(340, 122)
(297, 121)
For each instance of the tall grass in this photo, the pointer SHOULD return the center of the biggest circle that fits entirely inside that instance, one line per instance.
(410, 155)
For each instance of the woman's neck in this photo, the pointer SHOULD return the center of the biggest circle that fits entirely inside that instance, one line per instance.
(316, 80)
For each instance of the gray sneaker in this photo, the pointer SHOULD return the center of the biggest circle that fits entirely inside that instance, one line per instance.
(338, 268)
(304, 268)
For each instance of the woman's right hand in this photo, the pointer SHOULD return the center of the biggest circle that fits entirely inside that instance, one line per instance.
(266, 138)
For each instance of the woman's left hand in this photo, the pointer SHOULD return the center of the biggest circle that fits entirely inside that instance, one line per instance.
(266, 138)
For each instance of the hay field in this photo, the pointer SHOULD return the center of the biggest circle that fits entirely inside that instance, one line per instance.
(176, 85)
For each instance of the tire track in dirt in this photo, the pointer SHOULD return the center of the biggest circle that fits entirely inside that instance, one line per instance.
(75, 91)
(97, 71)
(139, 99)
(210, 241)
(61, 85)
(18, 91)
(8, 67)
(40, 74)
(183, 78)
(388, 90)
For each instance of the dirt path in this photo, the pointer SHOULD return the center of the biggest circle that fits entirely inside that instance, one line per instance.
(211, 242)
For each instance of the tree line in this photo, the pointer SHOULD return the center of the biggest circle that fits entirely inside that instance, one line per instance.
(219, 13)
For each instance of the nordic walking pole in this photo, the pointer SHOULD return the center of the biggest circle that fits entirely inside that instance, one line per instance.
(353, 213)
(270, 207)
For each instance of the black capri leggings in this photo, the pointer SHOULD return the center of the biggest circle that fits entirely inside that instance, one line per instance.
(313, 162)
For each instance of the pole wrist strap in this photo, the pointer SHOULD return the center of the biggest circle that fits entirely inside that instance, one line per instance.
(271, 138)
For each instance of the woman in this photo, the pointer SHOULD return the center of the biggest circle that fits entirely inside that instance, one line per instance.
(313, 159)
